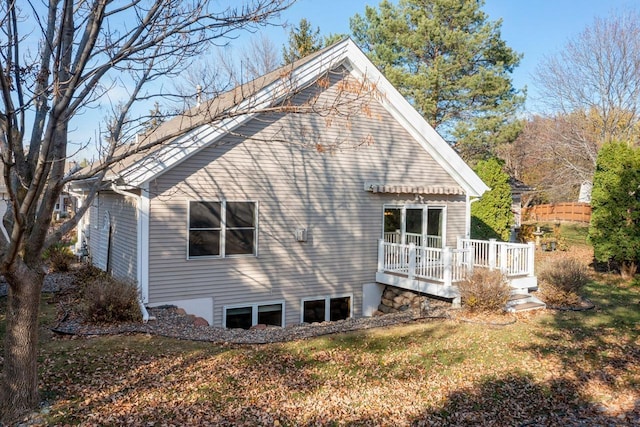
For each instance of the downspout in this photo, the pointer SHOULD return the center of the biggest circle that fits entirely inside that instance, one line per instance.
(143, 309)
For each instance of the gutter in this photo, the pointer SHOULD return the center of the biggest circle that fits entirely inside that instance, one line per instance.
(145, 314)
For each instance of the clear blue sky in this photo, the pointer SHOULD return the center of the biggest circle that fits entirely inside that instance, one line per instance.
(532, 27)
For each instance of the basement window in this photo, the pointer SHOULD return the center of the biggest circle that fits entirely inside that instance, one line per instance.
(246, 316)
(315, 310)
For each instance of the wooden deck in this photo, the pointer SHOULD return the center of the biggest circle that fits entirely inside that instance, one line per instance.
(436, 271)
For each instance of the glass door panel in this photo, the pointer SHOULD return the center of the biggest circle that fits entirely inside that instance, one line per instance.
(393, 225)
(414, 226)
(435, 222)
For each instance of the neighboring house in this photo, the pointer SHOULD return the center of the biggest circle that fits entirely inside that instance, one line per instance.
(288, 217)
(4, 204)
(517, 189)
(585, 192)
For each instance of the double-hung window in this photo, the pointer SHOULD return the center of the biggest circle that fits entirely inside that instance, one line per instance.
(222, 228)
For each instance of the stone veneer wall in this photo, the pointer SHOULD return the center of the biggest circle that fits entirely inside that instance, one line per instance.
(396, 299)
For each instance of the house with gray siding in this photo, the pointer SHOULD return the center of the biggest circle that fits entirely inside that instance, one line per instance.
(294, 211)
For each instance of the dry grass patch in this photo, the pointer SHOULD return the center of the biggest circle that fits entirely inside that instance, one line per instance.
(562, 281)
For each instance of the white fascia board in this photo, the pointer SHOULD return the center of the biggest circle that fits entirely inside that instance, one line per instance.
(416, 125)
(184, 146)
(179, 149)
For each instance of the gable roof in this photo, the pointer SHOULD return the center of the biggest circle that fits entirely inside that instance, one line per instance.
(267, 91)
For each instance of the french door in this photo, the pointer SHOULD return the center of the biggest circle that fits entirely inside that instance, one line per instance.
(422, 225)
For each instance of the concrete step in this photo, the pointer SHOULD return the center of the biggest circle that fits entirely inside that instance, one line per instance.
(527, 306)
(524, 282)
(518, 297)
(520, 301)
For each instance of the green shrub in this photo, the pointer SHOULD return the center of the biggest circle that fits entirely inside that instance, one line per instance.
(614, 231)
(108, 300)
(566, 274)
(484, 290)
(59, 256)
(491, 216)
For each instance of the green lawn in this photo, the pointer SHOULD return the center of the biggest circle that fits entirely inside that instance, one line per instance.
(548, 368)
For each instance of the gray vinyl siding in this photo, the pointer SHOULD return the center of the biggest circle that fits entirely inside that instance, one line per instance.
(120, 254)
(286, 166)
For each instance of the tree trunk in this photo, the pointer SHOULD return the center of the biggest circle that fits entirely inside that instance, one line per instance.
(19, 387)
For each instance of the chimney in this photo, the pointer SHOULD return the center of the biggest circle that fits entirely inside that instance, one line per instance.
(198, 95)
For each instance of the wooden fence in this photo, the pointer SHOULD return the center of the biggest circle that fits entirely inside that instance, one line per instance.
(577, 212)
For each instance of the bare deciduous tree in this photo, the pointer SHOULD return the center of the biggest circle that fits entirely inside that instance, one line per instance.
(228, 68)
(87, 51)
(598, 73)
(552, 157)
(592, 89)
(59, 58)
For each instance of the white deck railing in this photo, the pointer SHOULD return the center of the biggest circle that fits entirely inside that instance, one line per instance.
(415, 238)
(449, 265)
(513, 259)
(446, 265)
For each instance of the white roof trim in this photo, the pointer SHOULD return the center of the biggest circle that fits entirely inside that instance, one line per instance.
(417, 126)
(346, 51)
(177, 151)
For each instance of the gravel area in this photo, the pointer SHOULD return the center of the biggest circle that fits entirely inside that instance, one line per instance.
(168, 321)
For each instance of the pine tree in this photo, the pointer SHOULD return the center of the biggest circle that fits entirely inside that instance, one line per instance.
(156, 118)
(303, 40)
(450, 62)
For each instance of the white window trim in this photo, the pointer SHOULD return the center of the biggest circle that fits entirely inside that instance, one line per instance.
(223, 229)
(254, 311)
(425, 208)
(327, 306)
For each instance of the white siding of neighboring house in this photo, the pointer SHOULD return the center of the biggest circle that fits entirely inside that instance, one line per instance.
(4, 205)
(117, 212)
(295, 187)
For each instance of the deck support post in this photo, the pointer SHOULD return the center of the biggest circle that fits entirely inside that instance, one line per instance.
(380, 255)
(456, 302)
(447, 261)
(492, 254)
(412, 261)
(531, 258)
(504, 264)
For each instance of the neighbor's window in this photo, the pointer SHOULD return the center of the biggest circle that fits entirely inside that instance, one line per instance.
(328, 308)
(247, 316)
(222, 228)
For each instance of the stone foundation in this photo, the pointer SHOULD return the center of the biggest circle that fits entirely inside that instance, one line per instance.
(396, 299)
